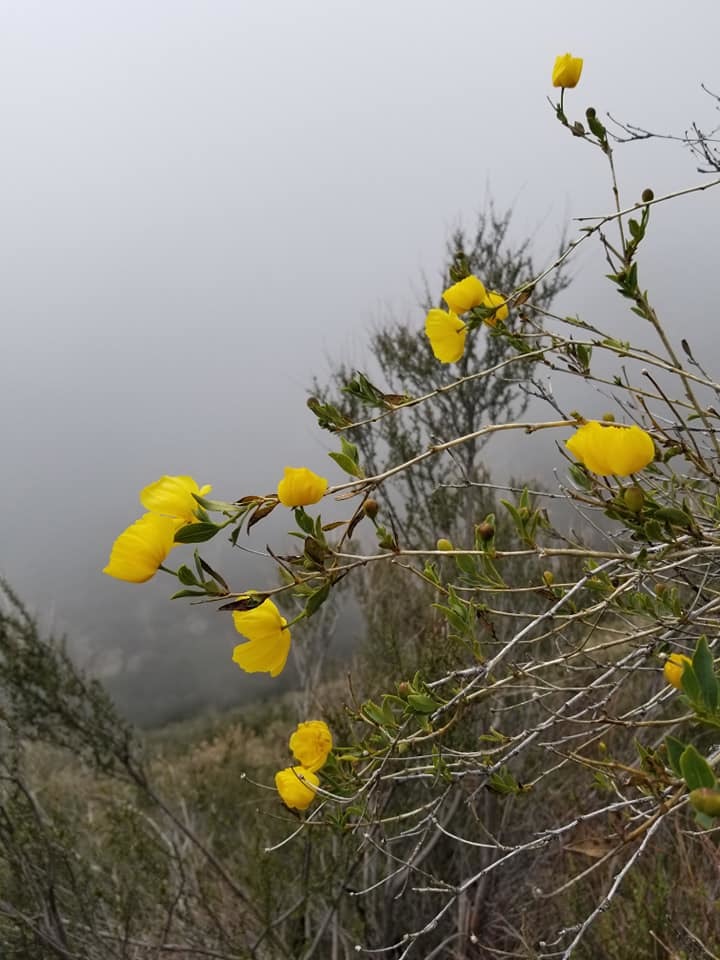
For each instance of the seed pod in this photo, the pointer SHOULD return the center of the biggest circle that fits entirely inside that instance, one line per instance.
(370, 508)
(706, 800)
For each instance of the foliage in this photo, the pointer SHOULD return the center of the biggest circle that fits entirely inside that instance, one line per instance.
(535, 711)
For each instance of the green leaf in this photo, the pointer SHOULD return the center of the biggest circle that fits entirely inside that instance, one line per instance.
(704, 670)
(696, 771)
(304, 521)
(188, 593)
(197, 532)
(690, 684)
(317, 599)
(675, 749)
(187, 577)
(422, 703)
(217, 506)
(346, 464)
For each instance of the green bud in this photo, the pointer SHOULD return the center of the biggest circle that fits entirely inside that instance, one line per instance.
(370, 508)
(444, 544)
(634, 498)
(608, 418)
(591, 113)
(706, 800)
(548, 577)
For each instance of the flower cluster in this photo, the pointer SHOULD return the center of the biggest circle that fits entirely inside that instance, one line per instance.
(140, 551)
(444, 328)
(611, 449)
(310, 744)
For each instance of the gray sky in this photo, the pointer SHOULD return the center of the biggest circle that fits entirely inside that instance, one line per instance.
(202, 201)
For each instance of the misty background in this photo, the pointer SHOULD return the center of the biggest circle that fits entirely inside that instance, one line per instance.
(204, 204)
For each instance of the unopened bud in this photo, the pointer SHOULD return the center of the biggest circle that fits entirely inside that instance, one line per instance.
(370, 508)
(591, 113)
(404, 689)
(548, 577)
(660, 589)
(444, 544)
(706, 800)
(608, 417)
(486, 531)
(634, 498)
(647, 195)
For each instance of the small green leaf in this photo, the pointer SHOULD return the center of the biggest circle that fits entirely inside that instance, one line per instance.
(704, 670)
(422, 703)
(346, 464)
(675, 749)
(690, 684)
(186, 576)
(696, 771)
(304, 521)
(188, 593)
(197, 532)
(317, 599)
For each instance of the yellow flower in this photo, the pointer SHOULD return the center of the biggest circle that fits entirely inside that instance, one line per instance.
(310, 743)
(138, 551)
(611, 449)
(494, 299)
(300, 487)
(173, 497)
(446, 333)
(464, 295)
(674, 669)
(566, 70)
(268, 639)
(293, 791)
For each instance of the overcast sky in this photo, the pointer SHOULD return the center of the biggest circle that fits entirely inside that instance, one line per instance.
(203, 201)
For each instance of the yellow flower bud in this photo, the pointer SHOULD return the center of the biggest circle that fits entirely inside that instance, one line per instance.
(140, 550)
(310, 744)
(548, 577)
(446, 333)
(566, 70)
(612, 450)
(674, 669)
(464, 295)
(173, 497)
(497, 300)
(295, 786)
(300, 487)
(444, 544)
(268, 636)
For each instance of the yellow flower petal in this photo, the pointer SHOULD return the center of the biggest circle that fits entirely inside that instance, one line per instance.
(674, 669)
(446, 333)
(566, 70)
(268, 637)
(611, 449)
(138, 551)
(300, 487)
(494, 299)
(464, 295)
(310, 743)
(295, 793)
(173, 497)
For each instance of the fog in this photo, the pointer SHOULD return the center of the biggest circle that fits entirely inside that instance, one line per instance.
(204, 202)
